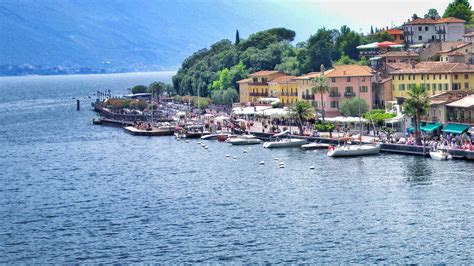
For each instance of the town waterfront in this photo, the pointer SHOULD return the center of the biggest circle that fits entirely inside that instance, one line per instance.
(74, 192)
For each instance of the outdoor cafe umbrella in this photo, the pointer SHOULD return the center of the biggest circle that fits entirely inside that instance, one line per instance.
(386, 44)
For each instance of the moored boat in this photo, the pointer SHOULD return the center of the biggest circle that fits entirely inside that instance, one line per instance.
(244, 140)
(315, 146)
(151, 131)
(285, 143)
(441, 155)
(353, 150)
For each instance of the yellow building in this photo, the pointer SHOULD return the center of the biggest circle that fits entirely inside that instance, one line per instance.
(257, 85)
(437, 77)
(285, 88)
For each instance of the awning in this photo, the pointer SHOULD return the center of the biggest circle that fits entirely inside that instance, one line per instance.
(429, 127)
(455, 128)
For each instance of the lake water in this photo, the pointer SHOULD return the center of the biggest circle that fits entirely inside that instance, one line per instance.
(74, 192)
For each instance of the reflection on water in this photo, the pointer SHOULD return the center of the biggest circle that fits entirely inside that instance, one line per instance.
(418, 171)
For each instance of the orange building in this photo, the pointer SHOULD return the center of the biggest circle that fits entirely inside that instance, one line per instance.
(397, 35)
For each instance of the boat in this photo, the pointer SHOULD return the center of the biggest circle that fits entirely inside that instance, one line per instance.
(315, 146)
(284, 143)
(353, 150)
(244, 140)
(441, 155)
(152, 131)
(223, 136)
(211, 136)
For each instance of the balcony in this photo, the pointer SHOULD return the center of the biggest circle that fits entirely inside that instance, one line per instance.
(334, 94)
(258, 94)
(349, 94)
(440, 32)
(258, 83)
(407, 32)
(308, 96)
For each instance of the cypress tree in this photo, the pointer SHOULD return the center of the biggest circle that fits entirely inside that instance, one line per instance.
(371, 29)
(237, 37)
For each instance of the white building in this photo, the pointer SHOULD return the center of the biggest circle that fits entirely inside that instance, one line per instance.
(425, 30)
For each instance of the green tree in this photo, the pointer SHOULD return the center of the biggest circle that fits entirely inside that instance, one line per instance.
(139, 89)
(415, 106)
(156, 89)
(302, 111)
(459, 9)
(432, 13)
(321, 86)
(237, 37)
(353, 107)
(223, 81)
(349, 45)
(229, 96)
(320, 50)
(289, 65)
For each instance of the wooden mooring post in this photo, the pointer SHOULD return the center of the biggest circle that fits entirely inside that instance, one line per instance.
(78, 105)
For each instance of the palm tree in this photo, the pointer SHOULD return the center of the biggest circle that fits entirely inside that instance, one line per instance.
(302, 111)
(416, 105)
(321, 86)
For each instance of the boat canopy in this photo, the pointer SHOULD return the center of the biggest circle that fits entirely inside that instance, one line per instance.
(249, 110)
(455, 128)
(429, 127)
(274, 112)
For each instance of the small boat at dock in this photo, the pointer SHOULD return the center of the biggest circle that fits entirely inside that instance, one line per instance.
(353, 150)
(440, 155)
(151, 131)
(285, 143)
(315, 146)
(244, 140)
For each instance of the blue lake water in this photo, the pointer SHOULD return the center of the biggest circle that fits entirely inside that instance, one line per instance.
(74, 192)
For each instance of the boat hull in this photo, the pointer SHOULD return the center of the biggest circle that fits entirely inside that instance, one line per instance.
(441, 156)
(284, 143)
(315, 146)
(238, 141)
(354, 150)
(154, 132)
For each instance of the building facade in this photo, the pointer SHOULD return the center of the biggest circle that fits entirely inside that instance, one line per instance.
(257, 86)
(431, 30)
(437, 77)
(346, 82)
(284, 88)
(397, 35)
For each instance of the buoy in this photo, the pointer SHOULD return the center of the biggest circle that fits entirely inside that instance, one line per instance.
(276, 158)
(199, 143)
(262, 162)
(245, 151)
(250, 148)
(205, 147)
(187, 141)
(235, 157)
(282, 166)
(227, 155)
(311, 167)
(281, 163)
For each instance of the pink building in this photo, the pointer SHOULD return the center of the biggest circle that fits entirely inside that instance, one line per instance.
(346, 81)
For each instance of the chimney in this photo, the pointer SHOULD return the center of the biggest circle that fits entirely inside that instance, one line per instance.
(413, 64)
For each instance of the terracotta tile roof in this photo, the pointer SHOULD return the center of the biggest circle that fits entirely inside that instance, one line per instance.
(428, 67)
(244, 80)
(448, 97)
(350, 71)
(263, 73)
(400, 54)
(435, 21)
(457, 53)
(311, 75)
(394, 31)
(455, 47)
(284, 80)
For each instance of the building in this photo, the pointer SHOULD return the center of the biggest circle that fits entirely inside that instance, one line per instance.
(437, 111)
(346, 82)
(256, 86)
(458, 53)
(437, 77)
(285, 88)
(461, 111)
(400, 57)
(425, 30)
(397, 35)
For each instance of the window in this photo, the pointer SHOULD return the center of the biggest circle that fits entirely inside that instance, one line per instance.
(420, 28)
(456, 76)
(420, 38)
(426, 28)
(348, 79)
(401, 87)
(409, 77)
(335, 104)
(403, 77)
(439, 76)
(445, 76)
(422, 77)
(348, 89)
(466, 85)
(254, 80)
(393, 87)
(445, 86)
(456, 86)
(440, 87)
(434, 86)
(315, 104)
(399, 77)
(363, 78)
(333, 80)
(364, 89)
(434, 77)
(427, 86)
(466, 76)
(428, 76)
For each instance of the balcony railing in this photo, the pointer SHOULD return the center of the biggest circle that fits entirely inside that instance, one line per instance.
(349, 94)
(334, 94)
(308, 96)
(258, 83)
(262, 94)
(440, 32)
(407, 32)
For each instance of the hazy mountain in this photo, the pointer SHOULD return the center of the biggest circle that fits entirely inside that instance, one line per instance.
(141, 34)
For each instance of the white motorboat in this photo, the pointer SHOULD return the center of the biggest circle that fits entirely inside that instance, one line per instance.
(211, 136)
(244, 140)
(315, 146)
(353, 150)
(284, 143)
(441, 155)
